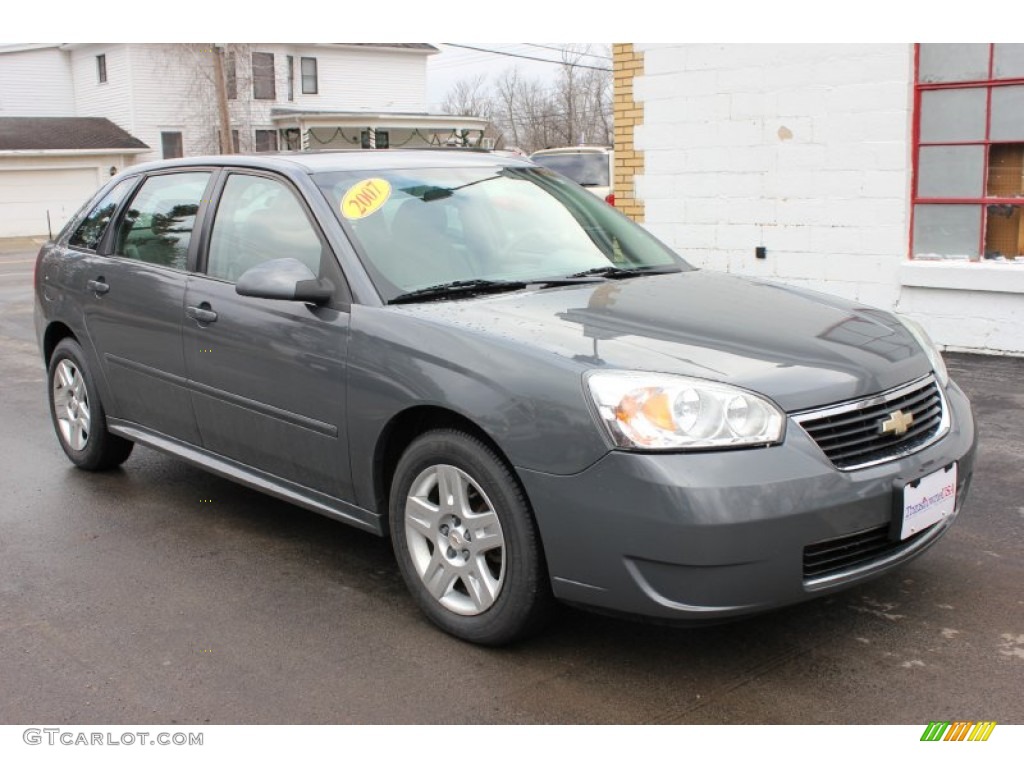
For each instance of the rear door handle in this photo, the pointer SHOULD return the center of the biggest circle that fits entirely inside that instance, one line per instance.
(98, 286)
(202, 313)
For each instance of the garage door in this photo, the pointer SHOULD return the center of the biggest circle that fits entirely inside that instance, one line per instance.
(26, 196)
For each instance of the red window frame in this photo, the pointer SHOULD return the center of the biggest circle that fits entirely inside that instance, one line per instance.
(984, 201)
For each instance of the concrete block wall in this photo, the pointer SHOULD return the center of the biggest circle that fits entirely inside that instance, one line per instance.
(802, 149)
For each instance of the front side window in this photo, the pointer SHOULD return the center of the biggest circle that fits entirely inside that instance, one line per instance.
(259, 219)
(90, 231)
(157, 227)
(263, 76)
(101, 67)
(428, 226)
(969, 155)
(309, 76)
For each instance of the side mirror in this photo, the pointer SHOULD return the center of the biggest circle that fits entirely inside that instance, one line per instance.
(285, 279)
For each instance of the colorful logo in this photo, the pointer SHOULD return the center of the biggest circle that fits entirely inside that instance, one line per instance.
(958, 730)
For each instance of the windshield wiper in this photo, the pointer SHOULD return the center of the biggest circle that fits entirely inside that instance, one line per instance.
(458, 287)
(616, 273)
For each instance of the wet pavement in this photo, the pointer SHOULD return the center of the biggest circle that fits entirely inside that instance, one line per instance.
(159, 593)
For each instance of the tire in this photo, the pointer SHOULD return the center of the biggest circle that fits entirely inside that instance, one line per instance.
(474, 565)
(77, 412)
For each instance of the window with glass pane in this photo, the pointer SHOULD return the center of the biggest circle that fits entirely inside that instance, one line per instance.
(1008, 60)
(263, 76)
(172, 145)
(259, 219)
(157, 227)
(266, 140)
(236, 143)
(309, 76)
(90, 231)
(231, 75)
(969, 154)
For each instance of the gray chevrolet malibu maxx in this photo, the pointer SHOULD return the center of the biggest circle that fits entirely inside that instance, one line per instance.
(531, 395)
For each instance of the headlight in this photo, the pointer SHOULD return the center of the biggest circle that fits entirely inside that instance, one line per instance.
(928, 347)
(661, 411)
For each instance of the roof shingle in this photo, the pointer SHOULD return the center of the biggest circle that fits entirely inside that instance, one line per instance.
(27, 133)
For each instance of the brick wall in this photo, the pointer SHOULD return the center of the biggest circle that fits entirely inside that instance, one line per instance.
(628, 64)
(802, 149)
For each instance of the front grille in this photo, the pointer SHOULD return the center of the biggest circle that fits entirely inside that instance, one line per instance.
(851, 434)
(848, 552)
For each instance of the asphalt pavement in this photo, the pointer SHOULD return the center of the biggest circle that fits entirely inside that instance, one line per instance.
(159, 593)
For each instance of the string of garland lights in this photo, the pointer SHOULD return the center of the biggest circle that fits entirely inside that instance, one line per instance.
(460, 137)
(311, 133)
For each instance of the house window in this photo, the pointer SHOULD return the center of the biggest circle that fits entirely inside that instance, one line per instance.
(235, 145)
(266, 141)
(291, 78)
(172, 144)
(231, 75)
(969, 152)
(263, 76)
(101, 67)
(309, 78)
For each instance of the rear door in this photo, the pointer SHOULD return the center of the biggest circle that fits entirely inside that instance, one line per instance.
(134, 301)
(268, 376)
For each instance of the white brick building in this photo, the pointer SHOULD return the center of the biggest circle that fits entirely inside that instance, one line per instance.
(888, 174)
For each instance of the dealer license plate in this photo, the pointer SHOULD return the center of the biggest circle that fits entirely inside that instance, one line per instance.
(928, 500)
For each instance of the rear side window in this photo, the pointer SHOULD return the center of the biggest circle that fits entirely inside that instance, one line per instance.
(90, 231)
(157, 227)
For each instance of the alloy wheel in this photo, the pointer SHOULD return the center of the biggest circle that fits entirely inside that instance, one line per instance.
(71, 405)
(455, 540)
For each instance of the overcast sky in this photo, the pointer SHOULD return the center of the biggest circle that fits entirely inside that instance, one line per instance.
(453, 64)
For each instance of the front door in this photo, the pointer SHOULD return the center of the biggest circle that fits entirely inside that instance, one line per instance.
(268, 376)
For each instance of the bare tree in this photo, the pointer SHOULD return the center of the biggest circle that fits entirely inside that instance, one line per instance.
(470, 96)
(202, 108)
(531, 114)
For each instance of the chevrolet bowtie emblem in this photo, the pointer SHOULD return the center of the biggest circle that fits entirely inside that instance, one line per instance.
(897, 423)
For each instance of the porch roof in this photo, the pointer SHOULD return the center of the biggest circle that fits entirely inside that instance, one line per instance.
(301, 118)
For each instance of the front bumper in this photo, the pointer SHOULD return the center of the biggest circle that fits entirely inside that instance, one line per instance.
(706, 536)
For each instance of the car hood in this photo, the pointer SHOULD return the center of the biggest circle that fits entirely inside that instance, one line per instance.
(801, 348)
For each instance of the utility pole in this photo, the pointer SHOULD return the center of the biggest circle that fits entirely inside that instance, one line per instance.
(227, 146)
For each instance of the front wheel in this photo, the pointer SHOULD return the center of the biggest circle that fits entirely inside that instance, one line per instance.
(466, 541)
(78, 416)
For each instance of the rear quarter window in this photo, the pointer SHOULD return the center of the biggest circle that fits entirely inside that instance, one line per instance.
(90, 230)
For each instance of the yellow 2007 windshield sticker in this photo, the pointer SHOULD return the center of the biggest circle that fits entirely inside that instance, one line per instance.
(365, 198)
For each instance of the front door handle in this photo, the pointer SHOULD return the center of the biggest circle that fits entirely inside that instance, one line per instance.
(98, 286)
(202, 313)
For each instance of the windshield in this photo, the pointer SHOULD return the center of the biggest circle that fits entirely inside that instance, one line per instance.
(588, 169)
(416, 228)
